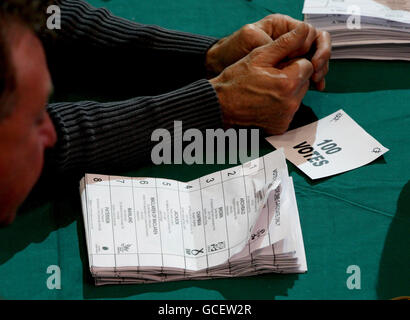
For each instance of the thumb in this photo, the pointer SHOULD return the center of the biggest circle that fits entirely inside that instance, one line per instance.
(284, 46)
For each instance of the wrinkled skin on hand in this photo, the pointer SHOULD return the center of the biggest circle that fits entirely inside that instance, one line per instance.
(253, 92)
(231, 49)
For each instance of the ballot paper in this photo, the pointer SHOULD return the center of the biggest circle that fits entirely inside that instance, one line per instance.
(395, 10)
(236, 222)
(332, 145)
(363, 29)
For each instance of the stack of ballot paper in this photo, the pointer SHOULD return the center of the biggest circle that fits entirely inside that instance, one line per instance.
(363, 29)
(237, 222)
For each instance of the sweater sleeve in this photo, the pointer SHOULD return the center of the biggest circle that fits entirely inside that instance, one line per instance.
(164, 70)
(95, 45)
(95, 136)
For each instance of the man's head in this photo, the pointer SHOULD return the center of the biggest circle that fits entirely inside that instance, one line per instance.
(25, 85)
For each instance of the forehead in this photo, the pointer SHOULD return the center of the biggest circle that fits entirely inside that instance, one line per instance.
(29, 62)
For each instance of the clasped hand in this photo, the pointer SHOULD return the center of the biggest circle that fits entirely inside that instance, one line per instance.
(263, 71)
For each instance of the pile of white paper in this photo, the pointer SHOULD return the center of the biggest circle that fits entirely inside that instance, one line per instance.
(363, 29)
(237, 222)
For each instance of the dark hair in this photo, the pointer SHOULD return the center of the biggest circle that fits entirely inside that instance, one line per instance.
(31, 13)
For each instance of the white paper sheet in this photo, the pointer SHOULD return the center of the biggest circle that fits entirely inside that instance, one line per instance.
(395, 10)
(330, 146)
(152, 229)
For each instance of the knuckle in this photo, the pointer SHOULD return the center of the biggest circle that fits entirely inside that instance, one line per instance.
(248, 31)
(292, 85)
(253, 54)
(274, 16)
(326, 35)
(312, 29)
(249, 67)
(284, 41)
(289, 86)
(306, 68)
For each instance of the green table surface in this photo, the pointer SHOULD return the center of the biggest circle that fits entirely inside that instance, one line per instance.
(361, 217)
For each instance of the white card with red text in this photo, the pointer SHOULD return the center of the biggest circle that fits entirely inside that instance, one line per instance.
(329, 146)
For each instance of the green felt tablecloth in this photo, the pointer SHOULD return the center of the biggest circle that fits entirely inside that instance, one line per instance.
(361, 217)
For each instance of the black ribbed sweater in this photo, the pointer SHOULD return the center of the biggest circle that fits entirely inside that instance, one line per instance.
(95, 136)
